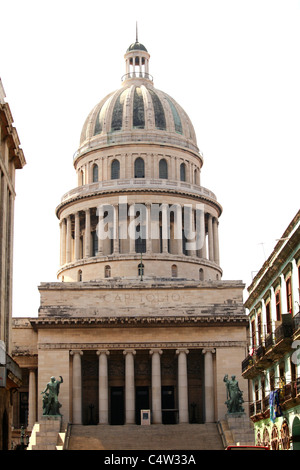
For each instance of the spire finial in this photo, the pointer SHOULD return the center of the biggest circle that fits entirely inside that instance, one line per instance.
(136, 32)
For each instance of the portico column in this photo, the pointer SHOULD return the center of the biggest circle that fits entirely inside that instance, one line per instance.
(183, 386)
(77, 392)
(103, 386)
(209, 385)
(32, 399)
(129, 386)
(156, 386)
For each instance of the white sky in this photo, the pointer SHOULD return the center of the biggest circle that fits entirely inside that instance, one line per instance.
(233, 65)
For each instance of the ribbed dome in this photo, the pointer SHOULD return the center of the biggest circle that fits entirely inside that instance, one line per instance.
(138, 112)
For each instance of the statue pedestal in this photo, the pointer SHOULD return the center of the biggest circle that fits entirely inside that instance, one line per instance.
(237, 428)
(45, 434)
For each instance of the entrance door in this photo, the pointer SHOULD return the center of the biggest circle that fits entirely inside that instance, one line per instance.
(169, 414)
(141, 402)
(116, 405)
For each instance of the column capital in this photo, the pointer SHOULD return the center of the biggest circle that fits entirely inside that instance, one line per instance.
(128, 351)
(182, 350)
(102, 351)
(206, 350)
(76, 351)
(159, 351)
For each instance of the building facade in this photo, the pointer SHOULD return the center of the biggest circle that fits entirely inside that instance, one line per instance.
(11, 158)
(273, 365)
(140, 317)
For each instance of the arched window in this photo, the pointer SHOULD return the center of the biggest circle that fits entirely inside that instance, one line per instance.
(79, 275)
(139, 168)
(174, 270)
(107, 271)
(115, 170)
(95, 173)
(201, 274)
(81, 178)
(163, 169)
(182, 172)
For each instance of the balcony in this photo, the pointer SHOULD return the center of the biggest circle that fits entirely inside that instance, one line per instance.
(289, 397)
(273, 346)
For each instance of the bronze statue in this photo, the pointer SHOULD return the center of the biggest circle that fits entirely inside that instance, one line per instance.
(51, 404)
(234, 396)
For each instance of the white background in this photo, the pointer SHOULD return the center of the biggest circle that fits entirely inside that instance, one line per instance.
(233, 65)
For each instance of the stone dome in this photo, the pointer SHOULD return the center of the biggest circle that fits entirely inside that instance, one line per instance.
(137, 112)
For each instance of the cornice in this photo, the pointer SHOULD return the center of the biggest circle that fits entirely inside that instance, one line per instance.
(140, 321)
(143, 190)
(143, 345)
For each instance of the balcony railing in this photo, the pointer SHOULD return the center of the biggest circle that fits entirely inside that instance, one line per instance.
(259, 409)
(279, 340)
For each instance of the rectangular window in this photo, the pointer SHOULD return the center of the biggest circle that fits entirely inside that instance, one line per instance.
(278, 306)
(289, 295)
(253, 333)
(268, 318)
(259, 328)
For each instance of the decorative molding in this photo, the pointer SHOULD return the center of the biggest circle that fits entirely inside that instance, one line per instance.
(58, 322)
(134, 346)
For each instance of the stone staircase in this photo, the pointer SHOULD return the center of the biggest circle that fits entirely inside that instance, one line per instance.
(236, 429)
(153, 437)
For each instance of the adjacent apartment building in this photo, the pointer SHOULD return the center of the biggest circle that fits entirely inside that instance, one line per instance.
(11, 158)
(273, 364)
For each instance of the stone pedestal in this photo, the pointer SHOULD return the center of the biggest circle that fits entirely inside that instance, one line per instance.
(237, 428)
(46, 434)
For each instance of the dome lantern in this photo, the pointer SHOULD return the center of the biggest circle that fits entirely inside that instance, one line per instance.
(137, 62)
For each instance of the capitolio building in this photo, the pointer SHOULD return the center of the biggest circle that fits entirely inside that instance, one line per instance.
(140, 317)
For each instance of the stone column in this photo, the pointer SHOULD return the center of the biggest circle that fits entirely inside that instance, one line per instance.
(183, 386)
(210, 239)
(129, 386)
(62, 242)
(156, 386)
(77, 387)
(32, 399)
(103, 386)
(131, 231)
(178, 228)
(209, 385)
(69, 238)
(87, 235)
(148, 236)
(164, 231)
(116, 248)
(216, 241)
(77, 236)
